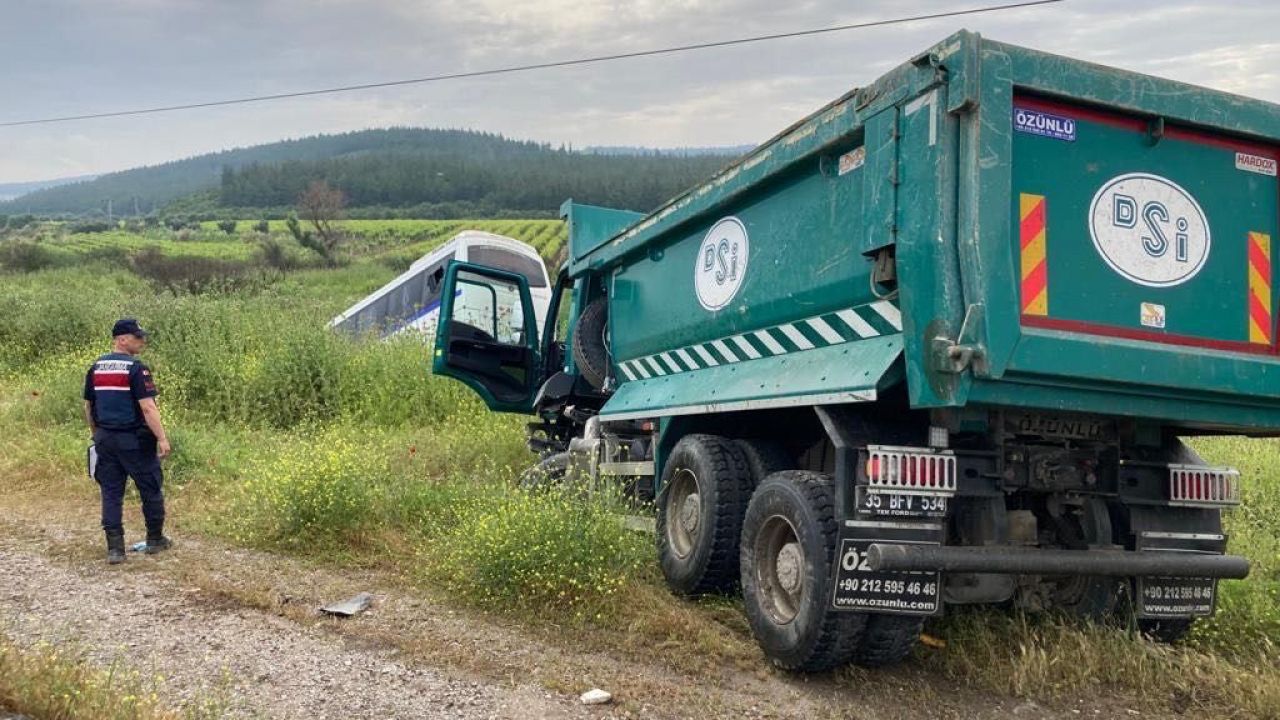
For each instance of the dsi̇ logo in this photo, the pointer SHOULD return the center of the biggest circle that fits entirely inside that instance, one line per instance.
(1149, 229)
(721, 263)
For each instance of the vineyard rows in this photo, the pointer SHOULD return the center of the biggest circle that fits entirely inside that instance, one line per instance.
(397, 241)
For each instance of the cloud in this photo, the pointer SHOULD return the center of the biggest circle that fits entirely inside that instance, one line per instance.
(76, 56)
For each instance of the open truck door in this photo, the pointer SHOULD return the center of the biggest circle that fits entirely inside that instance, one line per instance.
(487, 335)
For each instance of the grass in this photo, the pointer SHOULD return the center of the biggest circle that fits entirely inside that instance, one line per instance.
(290, 438)
(55, 683)
(1042, 657)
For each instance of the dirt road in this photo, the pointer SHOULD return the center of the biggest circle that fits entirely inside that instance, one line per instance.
(276, 668)
(208, 616)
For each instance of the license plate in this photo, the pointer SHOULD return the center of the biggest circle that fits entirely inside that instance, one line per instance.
(1176, 597)
(887, 504)
(858, 587)
(1164, 597)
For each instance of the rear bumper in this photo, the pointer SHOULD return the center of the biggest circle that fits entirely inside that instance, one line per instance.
(898, 557)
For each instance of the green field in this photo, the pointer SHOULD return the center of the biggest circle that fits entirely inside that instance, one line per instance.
(390, 241)
(291, 438)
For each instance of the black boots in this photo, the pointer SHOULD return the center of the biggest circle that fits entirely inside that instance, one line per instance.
(115, 547)
(156, 541)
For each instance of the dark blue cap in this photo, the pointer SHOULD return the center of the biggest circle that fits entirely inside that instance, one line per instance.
(128, 326)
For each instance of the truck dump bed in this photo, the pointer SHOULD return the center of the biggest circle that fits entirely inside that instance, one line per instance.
(991, 225)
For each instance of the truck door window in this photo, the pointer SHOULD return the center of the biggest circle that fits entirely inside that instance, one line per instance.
(490, 309)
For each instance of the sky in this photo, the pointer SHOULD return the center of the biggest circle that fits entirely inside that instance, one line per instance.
(66, 57)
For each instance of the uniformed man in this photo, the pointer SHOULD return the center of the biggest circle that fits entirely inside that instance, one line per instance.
(120, 405)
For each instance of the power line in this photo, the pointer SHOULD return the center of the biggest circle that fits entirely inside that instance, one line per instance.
(536, 66)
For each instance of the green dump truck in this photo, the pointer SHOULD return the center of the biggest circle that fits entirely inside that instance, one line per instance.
(935, 344)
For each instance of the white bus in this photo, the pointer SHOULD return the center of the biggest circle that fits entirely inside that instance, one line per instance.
(411, 302)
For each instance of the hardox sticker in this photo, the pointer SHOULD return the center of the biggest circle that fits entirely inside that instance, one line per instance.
(1256, 164)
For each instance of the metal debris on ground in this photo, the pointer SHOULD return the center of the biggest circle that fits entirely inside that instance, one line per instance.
(351, 606)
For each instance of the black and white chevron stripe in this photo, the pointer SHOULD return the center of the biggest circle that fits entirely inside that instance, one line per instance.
(849, 325)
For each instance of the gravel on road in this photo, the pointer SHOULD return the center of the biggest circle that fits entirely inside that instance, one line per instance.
(272, 666)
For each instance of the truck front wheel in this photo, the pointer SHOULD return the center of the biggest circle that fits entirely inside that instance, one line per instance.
(705, 488)
(789, 540)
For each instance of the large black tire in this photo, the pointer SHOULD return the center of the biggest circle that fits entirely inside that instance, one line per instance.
(764, 458)
(547, 473)
(1168, 631)
(888, 639)
(1094, 599)
(590, 348)
(789, 541)
(705, 489)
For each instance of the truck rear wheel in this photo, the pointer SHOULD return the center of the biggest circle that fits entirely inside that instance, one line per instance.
(888, 639)
(1096, 599)
(789, 540)
(590, 348)
(705, 489)
(764, 458)
(1166, 630)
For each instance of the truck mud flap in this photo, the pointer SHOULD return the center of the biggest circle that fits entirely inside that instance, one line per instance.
(859, 588)
(1174, 597)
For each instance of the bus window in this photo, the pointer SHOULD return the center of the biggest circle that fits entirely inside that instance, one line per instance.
(502, 259)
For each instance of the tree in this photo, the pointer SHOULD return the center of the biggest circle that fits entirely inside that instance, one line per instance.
(322, 206)
(227, 226)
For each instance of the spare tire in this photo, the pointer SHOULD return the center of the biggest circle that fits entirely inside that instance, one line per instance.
(590, 348)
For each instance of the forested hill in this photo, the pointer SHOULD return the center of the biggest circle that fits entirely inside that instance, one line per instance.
(397, 168)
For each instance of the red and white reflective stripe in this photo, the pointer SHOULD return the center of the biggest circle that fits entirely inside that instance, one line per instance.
(1199, 485)
(111, 380)
(906, 469)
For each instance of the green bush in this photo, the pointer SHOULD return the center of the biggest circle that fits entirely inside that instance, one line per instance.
(539, 550)
(108, 254)
(46, 314)
(24, 256)
(317, 490)
(195, 274)
(91, 226)
(275, 255)
(228, 226)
